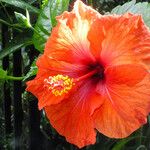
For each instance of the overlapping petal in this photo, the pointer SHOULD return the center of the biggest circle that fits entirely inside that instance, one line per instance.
(118, 45)
(129, 74)
(72, 117)
(53, 66)
(69, 38)
(119, 39)
(49, 67)
(124, 109)
(45, 97)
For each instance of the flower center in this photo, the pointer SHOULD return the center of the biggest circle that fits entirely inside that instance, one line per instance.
(61, 84)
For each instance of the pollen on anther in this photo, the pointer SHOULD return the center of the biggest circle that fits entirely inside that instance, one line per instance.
(59, 84)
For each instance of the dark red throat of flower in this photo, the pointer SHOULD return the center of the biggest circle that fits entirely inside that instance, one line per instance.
(61, 84)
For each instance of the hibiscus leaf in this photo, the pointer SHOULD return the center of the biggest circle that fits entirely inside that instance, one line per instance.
(142, 8)
(21, 4)
(14, 45)
(32, 71)
(124, 8)
(46, 21)
(103, 144)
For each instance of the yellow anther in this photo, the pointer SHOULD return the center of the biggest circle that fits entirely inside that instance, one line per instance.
(59, 84)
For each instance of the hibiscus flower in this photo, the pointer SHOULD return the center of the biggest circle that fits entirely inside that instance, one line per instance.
(94, 75)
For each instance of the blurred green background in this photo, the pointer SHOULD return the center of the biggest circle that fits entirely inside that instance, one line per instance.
(24, 29)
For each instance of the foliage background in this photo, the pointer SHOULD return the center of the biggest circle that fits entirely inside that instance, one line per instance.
(24, 27)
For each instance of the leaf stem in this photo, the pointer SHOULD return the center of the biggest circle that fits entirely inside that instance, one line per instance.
(14, 78)
(37, 32)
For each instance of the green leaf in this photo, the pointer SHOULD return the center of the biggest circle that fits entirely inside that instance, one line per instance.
(119, 145)
(102, 143)
(21, 4)
(46, 21)
(31, 1)
(3, 74)
(142, 8)
(15, 26)
(23, 20)
(57, 7)
(15, 45)
(32, 71)
(124, 8)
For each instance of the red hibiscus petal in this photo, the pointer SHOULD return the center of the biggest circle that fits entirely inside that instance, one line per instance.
(50, 67)
(72, 117)
(68, 40)
(109, 122)
(97, 32)
(129, 74)
(45, 97)
(125, 39)
(124, 110)
(73, 122)
(95, 101)
(49, 64)
(35, 86)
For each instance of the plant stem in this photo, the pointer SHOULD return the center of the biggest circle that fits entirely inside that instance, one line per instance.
(14, 78)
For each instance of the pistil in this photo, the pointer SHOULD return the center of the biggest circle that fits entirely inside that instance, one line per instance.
(61, 84)
(86, 76)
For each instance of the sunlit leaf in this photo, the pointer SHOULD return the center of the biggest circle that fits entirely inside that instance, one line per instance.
(46, 21)
(142, 8)
(21, 4)
(23, 20)
(124, 8)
